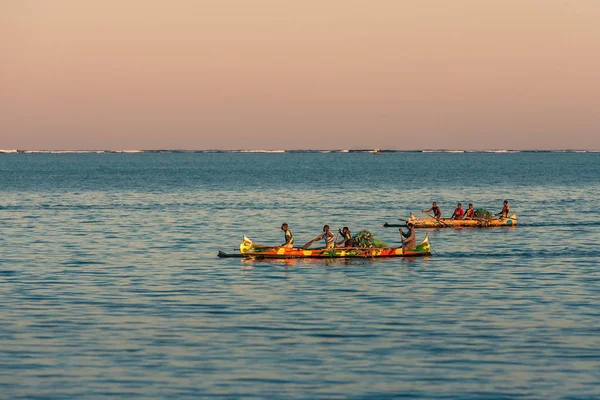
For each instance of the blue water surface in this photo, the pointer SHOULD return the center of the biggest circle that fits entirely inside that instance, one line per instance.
(111, 287)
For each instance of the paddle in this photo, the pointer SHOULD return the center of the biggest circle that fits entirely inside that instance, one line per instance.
(438, 220)
(336, 237)
(401, 240)
(307, 245)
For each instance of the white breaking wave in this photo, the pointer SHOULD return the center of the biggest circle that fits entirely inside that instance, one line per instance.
(443, 151)
(8, 151)
(573, 151)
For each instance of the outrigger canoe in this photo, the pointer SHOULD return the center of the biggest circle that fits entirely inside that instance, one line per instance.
(457, 223)
(250, 249)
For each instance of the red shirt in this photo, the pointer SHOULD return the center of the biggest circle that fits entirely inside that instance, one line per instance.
(459, 213)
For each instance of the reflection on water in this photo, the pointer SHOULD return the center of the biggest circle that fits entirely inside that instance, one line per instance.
(110, 283)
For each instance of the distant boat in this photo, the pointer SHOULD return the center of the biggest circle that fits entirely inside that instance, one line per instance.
(455, 223)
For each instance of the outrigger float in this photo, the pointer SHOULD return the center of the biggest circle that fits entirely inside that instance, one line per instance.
(250, 249)
(457, 223)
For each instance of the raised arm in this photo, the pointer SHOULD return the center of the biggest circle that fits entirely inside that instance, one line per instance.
(343, 238)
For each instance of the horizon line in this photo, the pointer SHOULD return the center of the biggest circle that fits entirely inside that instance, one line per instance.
(258, 150)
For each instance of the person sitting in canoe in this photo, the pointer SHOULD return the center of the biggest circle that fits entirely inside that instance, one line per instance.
(470, 214)
(410, 242)
(436, 211)
(346, 238)
(459, 212)
(289, 238)
(505, 210)
(328, 236)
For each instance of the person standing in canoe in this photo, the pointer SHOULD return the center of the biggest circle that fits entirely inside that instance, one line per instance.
(436, 211)
(470, 214)
(289, 238)
(505, 210)
(346, 238)
(410, 242)
(328, 236)
(459, 212)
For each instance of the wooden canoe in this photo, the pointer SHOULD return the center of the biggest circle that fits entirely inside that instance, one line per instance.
(457, 223)
(251, 249)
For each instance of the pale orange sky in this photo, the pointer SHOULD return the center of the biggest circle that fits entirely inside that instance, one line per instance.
(277, 74)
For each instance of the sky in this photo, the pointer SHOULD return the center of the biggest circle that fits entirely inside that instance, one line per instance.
(311, 74)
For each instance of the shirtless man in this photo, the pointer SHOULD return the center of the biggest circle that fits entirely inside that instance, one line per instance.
(505, 210)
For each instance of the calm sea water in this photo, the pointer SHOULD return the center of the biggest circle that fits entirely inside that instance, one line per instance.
(111, 287)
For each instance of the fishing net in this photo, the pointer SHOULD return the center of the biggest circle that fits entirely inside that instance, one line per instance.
(482, 213)
(365, 238)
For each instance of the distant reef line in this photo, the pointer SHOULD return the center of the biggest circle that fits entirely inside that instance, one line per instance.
(372, 151)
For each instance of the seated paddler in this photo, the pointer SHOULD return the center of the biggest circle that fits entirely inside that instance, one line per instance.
(346, 240)
(289, 238)
(328, 236)
(470, 213)
(411, 241)
(459, 212)
(505, 210)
